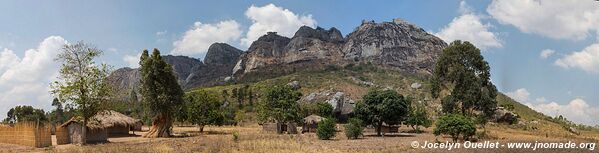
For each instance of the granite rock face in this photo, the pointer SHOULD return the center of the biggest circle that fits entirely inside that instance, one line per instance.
(395, 45)
(190, 72)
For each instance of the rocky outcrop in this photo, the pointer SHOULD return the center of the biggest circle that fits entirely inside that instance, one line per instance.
(218, 63)
(503, 115)
(191, 72)
(395, 45)
(342, 104)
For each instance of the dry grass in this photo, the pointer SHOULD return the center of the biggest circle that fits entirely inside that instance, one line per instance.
(252, 139)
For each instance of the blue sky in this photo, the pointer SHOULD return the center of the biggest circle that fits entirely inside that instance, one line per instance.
(512, 35)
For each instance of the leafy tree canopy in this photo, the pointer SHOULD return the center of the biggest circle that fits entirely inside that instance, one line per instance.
(280, 104)
(382, 106)
(455, 125)
(463, 71)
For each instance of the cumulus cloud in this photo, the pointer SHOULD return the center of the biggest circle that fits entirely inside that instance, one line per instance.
(270, 18)
(573, 20)
(132, 60)
(7, 59)
(26, 80)
(587, 60)
(577, 110)
(520, 95)
(197, 40)
(545, 53)
(469, 27)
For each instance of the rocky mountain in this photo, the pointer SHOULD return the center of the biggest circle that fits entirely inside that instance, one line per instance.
(191, 72)
(395, 45)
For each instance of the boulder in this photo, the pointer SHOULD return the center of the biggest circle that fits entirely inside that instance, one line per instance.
(503, 115)
(294, 84)
(416, 85)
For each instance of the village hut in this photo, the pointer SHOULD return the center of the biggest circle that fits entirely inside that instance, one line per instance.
(116, 124)
(311, 123)
(95, 133)
(289, 128)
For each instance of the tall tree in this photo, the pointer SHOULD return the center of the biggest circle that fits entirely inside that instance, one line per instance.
(59, 112)
(464, 73)
(82, 83)
(382, 106)
(160, 92)
(280, 105)
(203, 108)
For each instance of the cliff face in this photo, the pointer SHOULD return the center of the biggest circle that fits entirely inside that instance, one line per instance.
(395, 45)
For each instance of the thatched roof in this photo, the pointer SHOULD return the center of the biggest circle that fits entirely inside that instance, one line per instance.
(313, 119)
(105, 119)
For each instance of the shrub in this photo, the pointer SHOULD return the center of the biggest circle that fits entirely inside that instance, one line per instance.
(417, 118)
(326, 129)
(235, 136)
(455, 125)
(354, 128)
(325, 109)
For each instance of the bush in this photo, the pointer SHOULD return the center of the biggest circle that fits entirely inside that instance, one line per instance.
(326, 129)
(235, 136)
(455, 125)
(324, 109)
(418, 117)
(354, 128)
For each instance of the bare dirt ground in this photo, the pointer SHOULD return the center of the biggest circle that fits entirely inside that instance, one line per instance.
(253, 139)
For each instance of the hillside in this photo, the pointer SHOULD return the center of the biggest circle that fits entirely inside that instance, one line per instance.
(355, 81)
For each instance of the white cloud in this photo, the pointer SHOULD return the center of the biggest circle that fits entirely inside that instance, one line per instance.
(573, 19)
(577, 110)
(521, 95)
(270, 18)
(468, 27)
(587, 59)
(545, 53)
(26, 81)
(7, 59)
(197, 40)
(132, 60)
(161, 33)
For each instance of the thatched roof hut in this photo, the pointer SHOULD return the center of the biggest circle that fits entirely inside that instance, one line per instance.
(117, 124)
(311, 123)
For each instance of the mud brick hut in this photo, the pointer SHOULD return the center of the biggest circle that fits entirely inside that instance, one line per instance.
(95, 133)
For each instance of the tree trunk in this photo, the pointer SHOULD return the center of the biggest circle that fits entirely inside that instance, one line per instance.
(378, 129)
(84, 132)
(201, 128)
(161, 125)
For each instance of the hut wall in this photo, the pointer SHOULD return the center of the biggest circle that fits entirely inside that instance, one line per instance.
(291, 128)
(118, 131)
(93, 136)
(62, 135)
(28, 134)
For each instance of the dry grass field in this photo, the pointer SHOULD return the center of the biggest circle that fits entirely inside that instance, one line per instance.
(253, 139)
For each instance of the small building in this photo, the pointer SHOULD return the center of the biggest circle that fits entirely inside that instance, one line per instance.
(117, 124)
(95, 133)
(311, 123)
(290, 128)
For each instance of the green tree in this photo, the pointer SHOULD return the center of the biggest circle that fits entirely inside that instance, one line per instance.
(326, 129)
(463, 71)
(25, 114)
(58, 115)
(382, 106)
(160, 92)
(82, 83)
(324, 109)
(354, 128)
(455, 125)
(203, 108)
(280, 105)
(418, 117)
